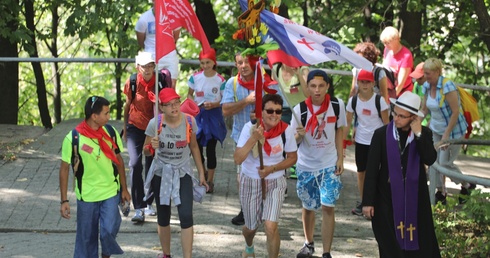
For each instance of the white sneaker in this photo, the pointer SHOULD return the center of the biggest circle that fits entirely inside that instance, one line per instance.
(149, 211)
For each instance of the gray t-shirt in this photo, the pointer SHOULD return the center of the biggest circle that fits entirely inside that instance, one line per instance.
(174, 148)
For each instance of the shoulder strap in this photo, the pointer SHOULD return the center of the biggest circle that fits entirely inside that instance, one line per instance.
(235, 79)
(336, 109)
(283, 137)
(303, 112)
(376, 75)
(132, 83)
(74, 144)
(377, 102)
(443, 97)
(354, 104)
(112, 134)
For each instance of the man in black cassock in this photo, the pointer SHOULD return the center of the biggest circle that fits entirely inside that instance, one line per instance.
(396, 196)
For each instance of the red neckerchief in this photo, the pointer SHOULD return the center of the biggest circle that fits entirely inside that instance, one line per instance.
(84, 129)
(149, 86)
(248, 85)
(313, 122)
(272, 133)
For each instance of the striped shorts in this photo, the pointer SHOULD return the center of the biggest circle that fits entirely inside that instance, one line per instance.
(256, 210)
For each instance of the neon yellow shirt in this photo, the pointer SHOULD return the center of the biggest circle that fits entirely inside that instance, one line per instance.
(97, 178)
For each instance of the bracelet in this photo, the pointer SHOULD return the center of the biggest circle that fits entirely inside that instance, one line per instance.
(63, 201)
(150, 149)
(273, 169)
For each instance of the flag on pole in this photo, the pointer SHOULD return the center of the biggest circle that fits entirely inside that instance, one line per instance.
(164, 38)
(307, 45)
(259, 82)
(181, 14)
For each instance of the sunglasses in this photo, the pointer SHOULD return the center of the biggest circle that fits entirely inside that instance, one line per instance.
(271, 111)
(94, 99)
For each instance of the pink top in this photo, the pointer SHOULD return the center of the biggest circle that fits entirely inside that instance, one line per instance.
(402, 59)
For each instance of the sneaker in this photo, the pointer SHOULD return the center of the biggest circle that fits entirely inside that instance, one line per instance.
(358, 209)
(238, 219)
(440, 197)
(164, 256)
(149, 211)
(247, 255)
(139, 216)
(326, 255)
(464, 193)
(306, 251)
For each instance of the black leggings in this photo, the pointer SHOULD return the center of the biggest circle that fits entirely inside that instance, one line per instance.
(185, 207)
(210, 153)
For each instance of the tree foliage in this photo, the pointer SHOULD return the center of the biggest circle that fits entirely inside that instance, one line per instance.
(455, 31)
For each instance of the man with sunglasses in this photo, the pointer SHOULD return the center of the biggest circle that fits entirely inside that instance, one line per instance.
(100, 181)
(320, 160)
(396, 196)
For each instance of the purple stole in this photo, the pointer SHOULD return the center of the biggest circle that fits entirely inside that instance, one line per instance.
(404, 193)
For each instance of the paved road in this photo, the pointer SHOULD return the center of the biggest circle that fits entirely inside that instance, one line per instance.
(30, 224)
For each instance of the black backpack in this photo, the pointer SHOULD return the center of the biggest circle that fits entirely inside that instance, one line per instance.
(304, 110)
(164, 81)
(377, 103)
(391, 79)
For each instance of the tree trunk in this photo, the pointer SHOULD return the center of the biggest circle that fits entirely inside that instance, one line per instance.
(484, 19)
(36, 66)
(54, 66)
(410, 27)
(207, 18)
(9, 72)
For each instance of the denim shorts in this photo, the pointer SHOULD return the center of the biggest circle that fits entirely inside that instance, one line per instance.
(316, 188)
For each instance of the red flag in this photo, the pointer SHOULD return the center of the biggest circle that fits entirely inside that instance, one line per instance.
(258, 91)
(164, 39)
(279, 56)
(181, 14)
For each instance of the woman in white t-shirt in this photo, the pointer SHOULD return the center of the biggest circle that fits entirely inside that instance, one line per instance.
(262, 189)
(372, 112)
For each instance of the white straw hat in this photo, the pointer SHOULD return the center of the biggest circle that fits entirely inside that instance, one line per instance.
(408, 101)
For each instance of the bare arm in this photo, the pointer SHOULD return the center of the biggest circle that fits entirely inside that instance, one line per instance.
(291, 158)
(353, 90)
(126, 118)
(196, 154)
(348, 116)
(64, 175)
(402, 77)
(383, 89)
(125, 196)
(339, 145)
(190, 94)
(233, 108)
(302, 76)
(141, 36)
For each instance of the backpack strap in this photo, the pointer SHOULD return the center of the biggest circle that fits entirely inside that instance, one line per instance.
(377, 69)
(304, 112)
(235, 79)
(188, 125)
(283, 137)
(377, 102)
(132, 83)
(75, 156)
(336, 109)
(112, 133)
(443, 97)
(354, 104)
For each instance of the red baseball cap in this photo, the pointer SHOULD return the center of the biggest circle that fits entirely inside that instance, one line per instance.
(165, 95)
(418, 72)
(365, 76)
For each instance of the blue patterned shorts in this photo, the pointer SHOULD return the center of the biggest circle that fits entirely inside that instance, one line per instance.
(316, 188)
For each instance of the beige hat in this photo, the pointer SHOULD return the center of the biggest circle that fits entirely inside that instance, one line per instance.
(408, 101)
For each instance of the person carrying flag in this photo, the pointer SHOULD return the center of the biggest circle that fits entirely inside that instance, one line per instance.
(279, 153)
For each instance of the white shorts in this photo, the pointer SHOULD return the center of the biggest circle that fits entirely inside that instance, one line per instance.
(171, 62)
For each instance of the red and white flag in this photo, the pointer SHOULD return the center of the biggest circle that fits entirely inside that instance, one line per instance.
(173, 14)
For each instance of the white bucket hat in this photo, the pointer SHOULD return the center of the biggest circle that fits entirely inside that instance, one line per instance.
(408, 101)
(144, 58)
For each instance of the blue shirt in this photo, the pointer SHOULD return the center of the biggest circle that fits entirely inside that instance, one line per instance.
(459, 129)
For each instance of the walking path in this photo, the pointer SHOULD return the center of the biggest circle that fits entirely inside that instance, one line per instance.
(30, 224)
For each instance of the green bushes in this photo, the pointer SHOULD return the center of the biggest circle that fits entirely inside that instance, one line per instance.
(464, 230)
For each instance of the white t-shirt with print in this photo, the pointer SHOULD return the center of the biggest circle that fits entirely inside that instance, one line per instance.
(321, 151)
(206, 88)
(250, 164)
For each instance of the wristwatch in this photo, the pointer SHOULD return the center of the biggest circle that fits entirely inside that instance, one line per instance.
(418, 134)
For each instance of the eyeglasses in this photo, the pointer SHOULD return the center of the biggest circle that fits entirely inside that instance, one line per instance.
(175, 104)
(394, 114)
(271, 111)
(94, 99)
(148, 66)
